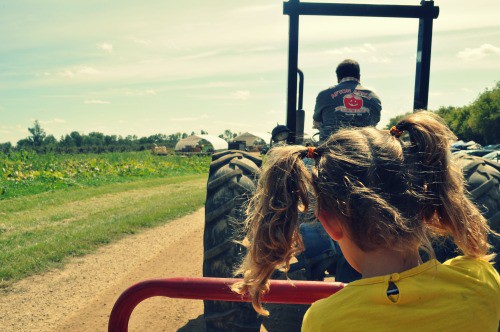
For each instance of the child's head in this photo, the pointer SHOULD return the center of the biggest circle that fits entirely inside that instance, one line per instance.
(385, 193)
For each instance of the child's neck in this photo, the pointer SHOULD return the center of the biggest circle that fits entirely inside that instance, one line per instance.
(384, 261)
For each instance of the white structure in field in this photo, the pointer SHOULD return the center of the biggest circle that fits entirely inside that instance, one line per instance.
(193, 141)
(250, 137)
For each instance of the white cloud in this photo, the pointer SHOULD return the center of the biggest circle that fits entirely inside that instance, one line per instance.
(467, 90)
(142, 41)
(368, 48)
(376, 59)
(105, 47)
(241, 95)
(340, 51)
(256, 49)
(253, 9)
(78, 71)
(473, 54)
(199, 55)
(66, 73)
(219, 84)
(53, 121)
(365, 48)
(141, 93)
(86, 70)
(96, 101)
(190, 119)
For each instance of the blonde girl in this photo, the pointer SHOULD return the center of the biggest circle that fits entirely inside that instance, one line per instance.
(382, 200)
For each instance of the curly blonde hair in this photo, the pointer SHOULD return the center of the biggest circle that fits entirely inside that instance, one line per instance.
(410, 191)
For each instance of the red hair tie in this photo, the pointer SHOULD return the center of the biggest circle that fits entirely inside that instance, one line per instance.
(311, 150)
(396, 132)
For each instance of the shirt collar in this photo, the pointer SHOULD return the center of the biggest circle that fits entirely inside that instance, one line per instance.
(345, 79)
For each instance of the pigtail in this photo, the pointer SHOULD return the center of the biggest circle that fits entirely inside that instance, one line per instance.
(443, 204)
(273, 221)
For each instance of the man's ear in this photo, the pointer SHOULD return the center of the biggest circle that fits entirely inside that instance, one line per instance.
(331, 224)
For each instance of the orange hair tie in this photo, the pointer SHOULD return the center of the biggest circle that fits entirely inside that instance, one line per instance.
(396, 132)
(311, 150)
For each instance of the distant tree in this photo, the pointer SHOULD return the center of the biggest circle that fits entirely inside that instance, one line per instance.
(6, 147)
(485, 116)
(37, 135)
(24, 143)
(192, 133)
(174, 137)
(227, 135)
(50, 140)
(478, 121)
(203, 132)
(110, 140)
(394, 121)
(77, 138)
(184, 135)
(94, 139)
(157, 138)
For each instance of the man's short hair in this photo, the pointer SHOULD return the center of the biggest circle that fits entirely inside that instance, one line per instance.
(347, 68)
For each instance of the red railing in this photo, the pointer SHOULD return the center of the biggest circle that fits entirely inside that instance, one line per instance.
(281, 291)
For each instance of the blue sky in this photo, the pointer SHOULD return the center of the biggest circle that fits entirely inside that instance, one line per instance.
(130, 67)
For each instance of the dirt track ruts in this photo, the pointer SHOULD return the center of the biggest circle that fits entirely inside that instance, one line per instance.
(80, 296)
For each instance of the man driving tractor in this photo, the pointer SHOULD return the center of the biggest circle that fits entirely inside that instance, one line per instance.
(348, 104)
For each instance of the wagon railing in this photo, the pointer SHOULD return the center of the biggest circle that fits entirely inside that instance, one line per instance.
(281, 291)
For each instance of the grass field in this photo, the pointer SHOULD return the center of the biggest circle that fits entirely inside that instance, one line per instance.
(56, 206)
(39, 232)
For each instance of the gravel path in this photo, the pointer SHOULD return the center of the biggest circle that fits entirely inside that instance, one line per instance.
(80, 297)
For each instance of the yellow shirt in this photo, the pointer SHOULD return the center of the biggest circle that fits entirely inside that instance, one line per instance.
(463, 294)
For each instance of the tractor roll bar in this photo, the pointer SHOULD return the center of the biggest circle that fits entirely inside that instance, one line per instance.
(281, 291)
(344, 9)
(426, 12)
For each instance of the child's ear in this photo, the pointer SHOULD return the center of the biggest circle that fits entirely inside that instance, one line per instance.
(331, 224)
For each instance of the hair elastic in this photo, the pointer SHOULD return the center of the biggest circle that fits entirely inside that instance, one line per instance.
(396, 132)
(311, 151)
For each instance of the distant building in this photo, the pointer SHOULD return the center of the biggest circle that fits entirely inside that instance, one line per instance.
(201, 143)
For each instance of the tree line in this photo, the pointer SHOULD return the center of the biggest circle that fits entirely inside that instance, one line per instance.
(478, 121)
(96, 142)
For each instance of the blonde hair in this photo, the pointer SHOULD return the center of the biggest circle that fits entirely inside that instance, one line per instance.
(410, 191)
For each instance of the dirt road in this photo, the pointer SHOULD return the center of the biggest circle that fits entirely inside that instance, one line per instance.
(80, 297)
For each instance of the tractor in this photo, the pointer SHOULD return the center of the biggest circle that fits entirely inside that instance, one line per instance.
(233, 173)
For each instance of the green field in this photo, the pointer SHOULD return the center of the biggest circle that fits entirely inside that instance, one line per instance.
(26, 173)
(77, 213)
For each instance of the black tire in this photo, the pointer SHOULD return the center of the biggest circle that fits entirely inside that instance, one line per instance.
(483, 184)
(232, 180)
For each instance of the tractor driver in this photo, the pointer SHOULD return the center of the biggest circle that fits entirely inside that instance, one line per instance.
(348, 104)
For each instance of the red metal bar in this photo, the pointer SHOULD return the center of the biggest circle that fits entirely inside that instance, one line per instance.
(281, 291)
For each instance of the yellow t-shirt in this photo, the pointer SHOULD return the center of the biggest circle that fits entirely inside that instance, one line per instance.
(463, 294)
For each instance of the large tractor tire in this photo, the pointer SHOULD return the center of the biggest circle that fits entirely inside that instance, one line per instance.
(232, 180)
(483, 184)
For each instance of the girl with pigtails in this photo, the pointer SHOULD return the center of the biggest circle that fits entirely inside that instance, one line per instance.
(383, 200)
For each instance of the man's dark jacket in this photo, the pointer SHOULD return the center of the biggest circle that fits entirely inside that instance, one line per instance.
(348, 104)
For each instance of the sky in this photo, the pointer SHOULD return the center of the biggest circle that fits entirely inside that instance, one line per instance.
(162, 66)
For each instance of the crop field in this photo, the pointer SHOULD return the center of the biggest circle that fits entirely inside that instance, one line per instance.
(26, 173)
(57, 206)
